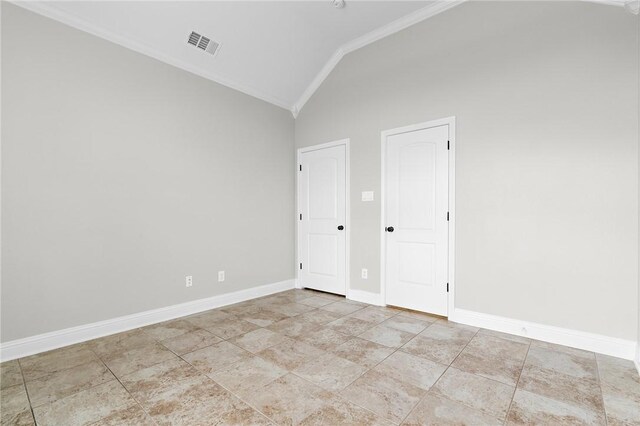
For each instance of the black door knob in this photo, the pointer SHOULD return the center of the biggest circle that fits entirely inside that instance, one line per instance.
(340, 227)
(389, 229)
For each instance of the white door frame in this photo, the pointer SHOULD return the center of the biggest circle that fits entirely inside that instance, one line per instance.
(347, 183)
(451, 121)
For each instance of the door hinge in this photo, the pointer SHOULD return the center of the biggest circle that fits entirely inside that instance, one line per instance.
(300, 167)
(447, 287)
(300, 216)
(300, 265)
(447, 216)
(448, 146)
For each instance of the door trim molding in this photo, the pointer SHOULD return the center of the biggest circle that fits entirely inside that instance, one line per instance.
(451, 122)
(347, 193)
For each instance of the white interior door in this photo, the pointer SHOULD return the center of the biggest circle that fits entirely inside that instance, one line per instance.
(416, 215)
(322, 220)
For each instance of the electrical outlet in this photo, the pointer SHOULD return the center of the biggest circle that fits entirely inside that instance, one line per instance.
(188, 280)
(220, 276)
(365, 273)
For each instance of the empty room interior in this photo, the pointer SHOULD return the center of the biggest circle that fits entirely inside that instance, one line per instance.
(331, 212)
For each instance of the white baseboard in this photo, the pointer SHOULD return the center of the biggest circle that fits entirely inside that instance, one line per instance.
(365, 297)
(69, 336)
(613, 346)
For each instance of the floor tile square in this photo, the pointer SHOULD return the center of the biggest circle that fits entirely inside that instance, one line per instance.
(10, 374)
(202, 403)
(316, 301)
(216, 357)
(87, 406)
(330, 372)
(532, 409)
(374, 314)
(169, 329)
(435, 410)
(477, 392)
(63, 383)
(439, 343)
(190, 342)
(386, 396)
(263, 317)
(411, 369)
(563, 362)
(58, 359)
(407, 324)
(140, 357)
(293, 327)
(248, 375)
(208, 318)
(289, 400)
(292, 309)
(291, 354)
(387, 336)
(231, 327)
(338, 411)
(494, 358)
(258, 340)
(319, 317)
(363, 352)
(584, 392)
(131, 415)
(14, 406)
(341, 308)
(324, 338)
(351, 326)
(149, 384)
(120, 342)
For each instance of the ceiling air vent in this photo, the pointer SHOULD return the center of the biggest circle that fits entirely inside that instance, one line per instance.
(204, 43)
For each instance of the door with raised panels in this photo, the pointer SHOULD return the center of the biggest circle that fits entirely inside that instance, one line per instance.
(322, 217)
(416, 215)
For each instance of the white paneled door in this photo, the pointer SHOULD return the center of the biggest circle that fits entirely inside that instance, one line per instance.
(322, 219)
(416, 219)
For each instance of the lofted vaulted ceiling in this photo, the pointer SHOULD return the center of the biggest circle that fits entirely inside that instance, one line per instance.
(278, 51)
(273, 50)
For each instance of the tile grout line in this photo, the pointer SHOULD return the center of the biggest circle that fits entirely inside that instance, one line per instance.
(123, 386)
(26, 391)
(524, 361)
(439, 377)
(604, 407)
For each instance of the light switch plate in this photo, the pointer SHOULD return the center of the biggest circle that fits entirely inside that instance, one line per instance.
(367, 195)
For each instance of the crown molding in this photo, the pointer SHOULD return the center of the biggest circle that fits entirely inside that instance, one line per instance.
(375, 35)
(46, 9)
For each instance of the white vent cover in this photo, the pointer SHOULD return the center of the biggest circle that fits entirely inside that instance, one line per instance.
(204, 43)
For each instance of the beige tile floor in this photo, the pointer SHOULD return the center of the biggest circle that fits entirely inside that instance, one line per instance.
(303, 357)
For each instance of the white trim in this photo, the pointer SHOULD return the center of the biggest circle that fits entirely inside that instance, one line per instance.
(56, 339)
(375, 35)
(613, 346)
(365, 297)
(636, 361)
(451, 123)
(347, 183)
(46, 8)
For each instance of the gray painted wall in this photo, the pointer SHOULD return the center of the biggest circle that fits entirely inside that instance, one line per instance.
(121, 175)
(546, 100)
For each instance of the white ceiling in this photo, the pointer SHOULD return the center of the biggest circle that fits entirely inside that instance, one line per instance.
(279, 51)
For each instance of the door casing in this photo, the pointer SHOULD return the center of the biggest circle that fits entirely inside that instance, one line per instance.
(451, 122)
(347, 226)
